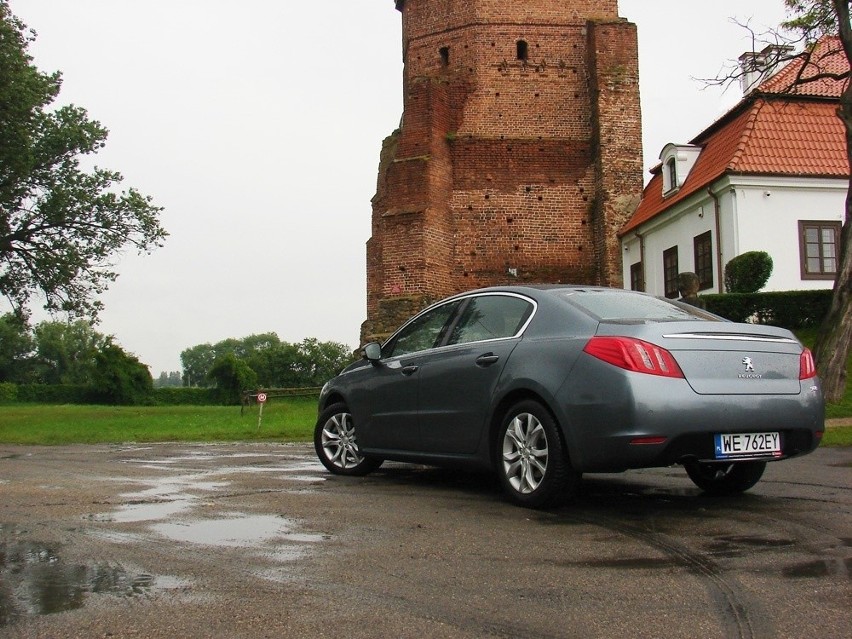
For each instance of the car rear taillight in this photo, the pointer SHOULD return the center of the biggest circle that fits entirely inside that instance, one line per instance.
(807, 368)
(634, 355)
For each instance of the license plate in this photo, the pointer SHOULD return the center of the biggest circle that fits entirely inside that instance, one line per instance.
(735, 445)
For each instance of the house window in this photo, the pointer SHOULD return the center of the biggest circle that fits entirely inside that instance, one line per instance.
(445, 56)
(670, 271)
(636, 283)
(818, 244)
(522, 50)
(703, 245)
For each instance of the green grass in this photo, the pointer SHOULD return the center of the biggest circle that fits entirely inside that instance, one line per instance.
(290, 419)
(837, 436)
(282, 420)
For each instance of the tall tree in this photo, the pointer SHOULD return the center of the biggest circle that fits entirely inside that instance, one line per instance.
(197, 362)
(59, 225)
(812, 20)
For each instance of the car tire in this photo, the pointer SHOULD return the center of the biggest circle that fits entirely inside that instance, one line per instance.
(725, 478)
(336, 443)
(534, 469)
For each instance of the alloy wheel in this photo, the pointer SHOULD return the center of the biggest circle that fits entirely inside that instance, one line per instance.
(525, 453)
(338, 441)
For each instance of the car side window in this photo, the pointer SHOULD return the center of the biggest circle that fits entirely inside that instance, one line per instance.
(490, 317)
(425, 331)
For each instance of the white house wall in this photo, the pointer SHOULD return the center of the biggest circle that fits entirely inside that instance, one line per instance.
(676, 228)
(754, 215)
(768, 215)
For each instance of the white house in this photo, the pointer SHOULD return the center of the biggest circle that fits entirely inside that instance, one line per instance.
(770, 175)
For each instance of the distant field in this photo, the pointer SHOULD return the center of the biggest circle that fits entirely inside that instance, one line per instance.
(283, 420)
(290, 420)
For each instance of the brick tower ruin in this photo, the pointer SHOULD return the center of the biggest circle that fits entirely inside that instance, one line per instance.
(518, 157)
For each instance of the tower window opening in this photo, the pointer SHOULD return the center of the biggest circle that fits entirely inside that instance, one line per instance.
(523, 50)
(445, 56)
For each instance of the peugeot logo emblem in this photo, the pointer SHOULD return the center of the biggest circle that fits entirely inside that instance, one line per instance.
(749, 367)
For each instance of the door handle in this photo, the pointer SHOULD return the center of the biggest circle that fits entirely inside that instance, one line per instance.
(487, 359)
(409, 370)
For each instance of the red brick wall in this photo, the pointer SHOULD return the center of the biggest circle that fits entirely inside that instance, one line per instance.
(505, 170)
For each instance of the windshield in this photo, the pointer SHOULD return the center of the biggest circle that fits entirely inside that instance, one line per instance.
(627, 306)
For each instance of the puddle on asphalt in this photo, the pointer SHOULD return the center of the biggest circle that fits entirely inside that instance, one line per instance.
(34, 579)
(155, 511)
(235, 531)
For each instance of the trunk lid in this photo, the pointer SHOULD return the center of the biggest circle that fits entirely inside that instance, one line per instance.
(724, 358)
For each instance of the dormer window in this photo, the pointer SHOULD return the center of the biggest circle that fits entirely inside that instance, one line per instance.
(677, 161)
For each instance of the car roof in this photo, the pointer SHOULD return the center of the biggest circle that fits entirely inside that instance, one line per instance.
(532, 289)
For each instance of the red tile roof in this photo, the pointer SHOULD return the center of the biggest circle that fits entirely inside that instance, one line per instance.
(821, 73)
(774, 130)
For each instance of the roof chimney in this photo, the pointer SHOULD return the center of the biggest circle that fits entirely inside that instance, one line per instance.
(757, 67)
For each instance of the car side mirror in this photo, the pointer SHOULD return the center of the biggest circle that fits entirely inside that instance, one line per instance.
(373, 352)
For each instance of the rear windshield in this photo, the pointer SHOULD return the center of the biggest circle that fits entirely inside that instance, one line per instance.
(628, 307)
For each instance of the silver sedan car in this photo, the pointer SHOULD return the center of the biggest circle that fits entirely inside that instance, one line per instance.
(541, 384)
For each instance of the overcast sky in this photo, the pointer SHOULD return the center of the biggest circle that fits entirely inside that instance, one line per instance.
(258, 126)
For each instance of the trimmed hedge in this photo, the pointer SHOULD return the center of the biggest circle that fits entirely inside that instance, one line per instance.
(71, 394)
(54, 394)
(788, 309)
(184, 396)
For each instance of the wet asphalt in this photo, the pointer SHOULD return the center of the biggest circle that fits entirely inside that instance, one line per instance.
(257, 540)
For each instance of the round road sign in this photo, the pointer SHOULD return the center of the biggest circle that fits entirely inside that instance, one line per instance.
(261, 397)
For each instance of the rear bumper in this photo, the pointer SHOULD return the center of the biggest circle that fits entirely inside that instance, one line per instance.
(640, 421)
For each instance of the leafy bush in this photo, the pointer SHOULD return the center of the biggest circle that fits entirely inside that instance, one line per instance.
(81, 395)
(748, 272)
(120, 378)
(232, 377)
(8, 392)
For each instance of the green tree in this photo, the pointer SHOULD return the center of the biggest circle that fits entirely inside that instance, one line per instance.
(66, 351)
(283, 367)
(320, 361)
(275, 363)
(119, 378)
(16, 349)
(172, 379)
(59, 225)
(811, 20)
(197, 362)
